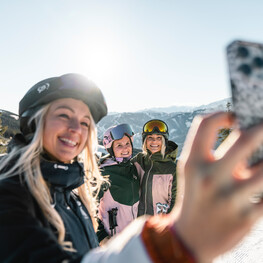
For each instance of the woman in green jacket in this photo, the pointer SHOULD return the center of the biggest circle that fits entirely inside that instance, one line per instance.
(119, 201)
(157, 169)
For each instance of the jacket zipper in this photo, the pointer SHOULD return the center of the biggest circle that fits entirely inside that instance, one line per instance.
(146, 184)
(132, 197)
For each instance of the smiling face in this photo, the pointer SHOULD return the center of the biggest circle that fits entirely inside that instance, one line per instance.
(154, 142)
(122, 148)
(66, 129)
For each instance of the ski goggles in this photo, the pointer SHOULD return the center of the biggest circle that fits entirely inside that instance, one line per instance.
(153, 125)
(118, 132)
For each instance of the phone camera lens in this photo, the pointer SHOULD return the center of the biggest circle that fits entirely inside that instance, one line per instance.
(245, 69)
(258, 62)
(242, 52)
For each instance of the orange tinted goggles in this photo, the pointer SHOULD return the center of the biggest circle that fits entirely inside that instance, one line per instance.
(152, 125)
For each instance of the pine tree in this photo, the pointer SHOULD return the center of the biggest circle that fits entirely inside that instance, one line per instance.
(223, 133)
(3, 140)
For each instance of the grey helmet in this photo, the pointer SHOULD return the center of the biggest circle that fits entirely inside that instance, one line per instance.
(70, 85)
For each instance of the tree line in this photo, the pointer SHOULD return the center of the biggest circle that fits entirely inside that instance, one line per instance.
(9, 126)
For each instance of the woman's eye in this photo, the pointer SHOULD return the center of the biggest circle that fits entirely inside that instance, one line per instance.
(63, 115)
(85, 124)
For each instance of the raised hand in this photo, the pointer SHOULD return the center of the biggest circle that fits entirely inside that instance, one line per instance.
(217, 209)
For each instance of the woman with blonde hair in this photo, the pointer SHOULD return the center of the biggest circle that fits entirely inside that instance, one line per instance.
(50, 175)
(156, 169)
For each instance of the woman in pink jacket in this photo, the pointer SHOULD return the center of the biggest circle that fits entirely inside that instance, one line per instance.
(157, 169)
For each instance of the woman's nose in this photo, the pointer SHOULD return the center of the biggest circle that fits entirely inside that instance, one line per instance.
(125, 147)
(74, 125)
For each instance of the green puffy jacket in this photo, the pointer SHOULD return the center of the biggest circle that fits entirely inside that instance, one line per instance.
(158, 180)
(118, 204)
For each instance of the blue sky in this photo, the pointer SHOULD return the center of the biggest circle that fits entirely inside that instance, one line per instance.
(141, 53)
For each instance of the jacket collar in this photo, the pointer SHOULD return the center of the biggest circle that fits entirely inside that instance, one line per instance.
(61, 175)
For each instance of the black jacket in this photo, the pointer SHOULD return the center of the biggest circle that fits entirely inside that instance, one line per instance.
(26, 235)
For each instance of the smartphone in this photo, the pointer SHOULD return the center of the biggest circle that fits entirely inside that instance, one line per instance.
(245, 64)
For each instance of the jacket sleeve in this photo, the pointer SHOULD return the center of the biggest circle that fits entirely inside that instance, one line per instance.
(145, 240)
(24, 237)
(126, 247)
(101, 232)
(137, 160)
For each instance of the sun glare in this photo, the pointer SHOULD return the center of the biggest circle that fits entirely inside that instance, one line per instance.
(100, 56)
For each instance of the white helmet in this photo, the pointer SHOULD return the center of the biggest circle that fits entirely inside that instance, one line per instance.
(116, 133)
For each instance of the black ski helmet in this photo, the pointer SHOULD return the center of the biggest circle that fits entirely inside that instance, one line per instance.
(70, 85)
(155, 126)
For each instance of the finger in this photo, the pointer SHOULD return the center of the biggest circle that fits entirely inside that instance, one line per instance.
(202, 135)
(243, 189)
(256, 213)
(244, 144)
(254, 182)
(226, 144)
(251, 213)
(242, 193)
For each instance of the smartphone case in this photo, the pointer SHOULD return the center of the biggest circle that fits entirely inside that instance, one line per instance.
(245, 63)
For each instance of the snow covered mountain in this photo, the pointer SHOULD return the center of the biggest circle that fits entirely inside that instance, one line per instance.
(220, 104)
(178, 118)
(178, 121)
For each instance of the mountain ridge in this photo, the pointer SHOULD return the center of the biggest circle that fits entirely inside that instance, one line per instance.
(185, 108)
(178, 121)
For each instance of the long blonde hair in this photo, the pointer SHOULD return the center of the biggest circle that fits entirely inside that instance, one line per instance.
(28, 164)
(144, 146)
